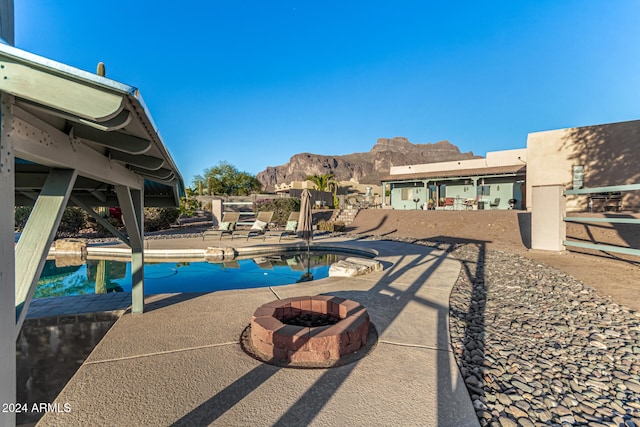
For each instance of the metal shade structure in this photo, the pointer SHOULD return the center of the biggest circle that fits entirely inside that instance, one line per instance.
(69, 137)
(61, 116)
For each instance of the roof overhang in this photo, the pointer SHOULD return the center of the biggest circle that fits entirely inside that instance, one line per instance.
(513, 170)
(63, 117)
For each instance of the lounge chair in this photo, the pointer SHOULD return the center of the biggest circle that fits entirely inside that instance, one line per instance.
(495, 203)
(289, 229)
(226, 226)
(259, 227)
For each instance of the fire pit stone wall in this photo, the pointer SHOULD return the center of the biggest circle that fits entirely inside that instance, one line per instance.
(274, 339)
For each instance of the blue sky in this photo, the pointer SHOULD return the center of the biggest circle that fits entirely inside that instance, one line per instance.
(255, 82)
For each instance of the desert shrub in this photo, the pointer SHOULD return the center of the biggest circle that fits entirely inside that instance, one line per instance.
(159, 218)
(21, 215)
(281, 208)
(73, 220)
(331, 226)
(102, 232)
(188, 206)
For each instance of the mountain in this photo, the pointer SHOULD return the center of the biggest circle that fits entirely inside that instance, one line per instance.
(366, 168)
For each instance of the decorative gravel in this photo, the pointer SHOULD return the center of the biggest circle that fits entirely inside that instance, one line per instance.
(537, 347)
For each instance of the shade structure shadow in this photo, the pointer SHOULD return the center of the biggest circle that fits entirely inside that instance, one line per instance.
(398, 295)
(524, 223)
(190, 369)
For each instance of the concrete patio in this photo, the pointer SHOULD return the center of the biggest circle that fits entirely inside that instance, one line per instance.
(180, 363)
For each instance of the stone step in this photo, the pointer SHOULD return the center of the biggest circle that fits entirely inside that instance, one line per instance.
(346, 216)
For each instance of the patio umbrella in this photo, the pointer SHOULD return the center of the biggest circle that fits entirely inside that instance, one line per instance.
(305, 229)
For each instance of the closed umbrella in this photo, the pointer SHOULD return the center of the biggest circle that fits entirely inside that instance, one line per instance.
(305, 229)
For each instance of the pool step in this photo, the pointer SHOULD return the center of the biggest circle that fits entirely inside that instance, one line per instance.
(352, 267)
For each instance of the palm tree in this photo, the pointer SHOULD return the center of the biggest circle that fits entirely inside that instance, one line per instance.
(326, 182)
(323, 182)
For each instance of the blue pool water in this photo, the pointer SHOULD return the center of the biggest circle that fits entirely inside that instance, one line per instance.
(102, 276)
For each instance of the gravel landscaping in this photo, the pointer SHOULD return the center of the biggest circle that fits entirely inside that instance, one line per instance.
(536, 347)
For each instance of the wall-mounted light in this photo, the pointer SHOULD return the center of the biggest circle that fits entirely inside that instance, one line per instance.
(498, 188)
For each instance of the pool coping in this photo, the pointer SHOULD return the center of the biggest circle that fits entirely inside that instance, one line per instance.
(210, 253)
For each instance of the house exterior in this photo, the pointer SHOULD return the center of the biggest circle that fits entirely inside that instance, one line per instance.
(597, 156)
(496, 182)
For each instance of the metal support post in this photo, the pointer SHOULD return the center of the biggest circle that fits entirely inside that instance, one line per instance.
(7, 269)
(38, 234)
(131, 202)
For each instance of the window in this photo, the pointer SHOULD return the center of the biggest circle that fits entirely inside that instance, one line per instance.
(407, 194)
(484, 190)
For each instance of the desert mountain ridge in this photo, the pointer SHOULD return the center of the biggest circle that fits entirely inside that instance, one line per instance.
(366, 168)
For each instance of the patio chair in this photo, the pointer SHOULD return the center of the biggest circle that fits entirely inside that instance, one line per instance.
(259, 227)
(468, 204)
(449, 202)
(495, 203)
(226, 226)
(289, 230)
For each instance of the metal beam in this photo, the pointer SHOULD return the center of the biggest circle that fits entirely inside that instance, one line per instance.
(115, 140)
(103, 222)
(142, 161)
(611, 220)
(37, 141)
(131, 203)
(37, 236)
(7, 269)
(122, 119)
(162, 174)
(612, 188)
(603, 248)
(35, 180)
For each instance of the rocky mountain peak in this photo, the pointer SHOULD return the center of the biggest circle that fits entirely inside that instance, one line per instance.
(366, 168)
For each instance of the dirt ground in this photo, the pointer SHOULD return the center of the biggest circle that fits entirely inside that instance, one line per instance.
(612, 275)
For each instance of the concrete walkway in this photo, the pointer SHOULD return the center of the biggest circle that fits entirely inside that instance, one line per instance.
(180, 363)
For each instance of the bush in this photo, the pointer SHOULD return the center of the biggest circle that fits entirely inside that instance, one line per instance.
(281, 208)
(102, 232)
(21, 215)
(331, 226)
(159, 218)
(73, 220)
(188, 206)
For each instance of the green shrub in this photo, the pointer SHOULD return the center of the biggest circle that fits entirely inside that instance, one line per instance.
(159, 218)
(331, 226)
(102, 232)
(281, 208)
(21, 215)
(188, 206)
(73, 220)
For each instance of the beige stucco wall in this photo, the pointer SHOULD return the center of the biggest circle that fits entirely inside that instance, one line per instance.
(610, 154)
(493, 159)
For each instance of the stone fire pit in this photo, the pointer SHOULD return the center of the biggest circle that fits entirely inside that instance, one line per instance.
(308, 331)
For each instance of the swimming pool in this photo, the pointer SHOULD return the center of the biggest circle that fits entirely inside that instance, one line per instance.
(103, 276)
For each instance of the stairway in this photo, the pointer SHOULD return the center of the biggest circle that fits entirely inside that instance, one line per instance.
(345, 216)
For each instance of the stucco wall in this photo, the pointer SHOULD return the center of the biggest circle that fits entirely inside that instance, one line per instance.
(610, 154)
(493, 159)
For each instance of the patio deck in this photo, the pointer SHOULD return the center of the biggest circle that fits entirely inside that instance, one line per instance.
(180, 363)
